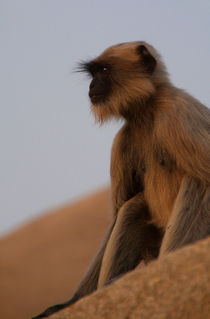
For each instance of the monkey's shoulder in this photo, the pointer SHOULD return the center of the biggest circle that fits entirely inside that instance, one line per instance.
(176, 105)
(181, 117)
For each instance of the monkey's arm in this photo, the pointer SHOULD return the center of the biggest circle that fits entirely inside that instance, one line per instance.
(133, 239)
(127, 169)
(184, 130)
(88, 283)
(190, 218)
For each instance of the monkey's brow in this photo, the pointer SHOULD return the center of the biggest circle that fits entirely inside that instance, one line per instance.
(91, 66)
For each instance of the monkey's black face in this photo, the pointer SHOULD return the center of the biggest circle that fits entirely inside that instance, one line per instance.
(100, 86)
(99, 89)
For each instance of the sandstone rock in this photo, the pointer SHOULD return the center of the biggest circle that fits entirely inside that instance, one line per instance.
(175, 287)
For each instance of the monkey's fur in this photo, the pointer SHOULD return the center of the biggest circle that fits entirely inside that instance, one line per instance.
(160, 162)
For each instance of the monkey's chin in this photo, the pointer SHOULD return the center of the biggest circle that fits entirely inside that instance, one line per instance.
(100, 112)
(96, 105)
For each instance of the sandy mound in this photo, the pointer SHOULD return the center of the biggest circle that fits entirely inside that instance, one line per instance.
(42, 263)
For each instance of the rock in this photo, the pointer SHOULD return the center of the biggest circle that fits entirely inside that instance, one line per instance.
(174, 287)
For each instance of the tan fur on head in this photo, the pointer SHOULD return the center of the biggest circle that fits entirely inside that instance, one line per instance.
(130, 83)
(127, 51)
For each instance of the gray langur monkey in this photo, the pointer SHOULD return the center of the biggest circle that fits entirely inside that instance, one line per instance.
(160, 163)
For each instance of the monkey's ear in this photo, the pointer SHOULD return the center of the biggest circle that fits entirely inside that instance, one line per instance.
(148, 60)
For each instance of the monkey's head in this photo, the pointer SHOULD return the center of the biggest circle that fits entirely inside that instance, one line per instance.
(123, 77)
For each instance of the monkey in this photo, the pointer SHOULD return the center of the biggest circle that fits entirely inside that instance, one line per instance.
(160, 163)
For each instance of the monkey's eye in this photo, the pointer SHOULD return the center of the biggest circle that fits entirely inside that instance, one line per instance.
(105, 70)
(92, 68)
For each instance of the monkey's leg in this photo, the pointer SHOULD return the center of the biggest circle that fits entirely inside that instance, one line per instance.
(133, 238)
(88, 283)
(190, 219)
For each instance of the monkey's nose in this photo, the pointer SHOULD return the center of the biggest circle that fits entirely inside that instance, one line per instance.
(90, 95)
(91, 92)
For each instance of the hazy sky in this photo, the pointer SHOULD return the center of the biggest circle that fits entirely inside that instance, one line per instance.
(51, 150)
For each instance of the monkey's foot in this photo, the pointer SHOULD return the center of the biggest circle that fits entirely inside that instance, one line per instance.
(49, 311)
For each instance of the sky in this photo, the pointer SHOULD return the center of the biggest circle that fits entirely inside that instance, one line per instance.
(52, 152)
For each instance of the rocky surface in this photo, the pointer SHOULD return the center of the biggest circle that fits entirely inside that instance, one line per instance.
(175, 287)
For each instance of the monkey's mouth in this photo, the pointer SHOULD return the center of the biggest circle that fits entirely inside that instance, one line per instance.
(96, 98)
